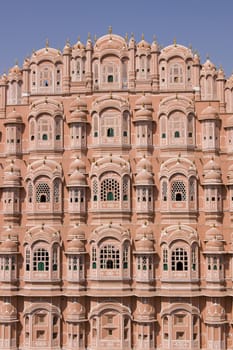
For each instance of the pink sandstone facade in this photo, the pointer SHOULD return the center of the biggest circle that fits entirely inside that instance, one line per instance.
(116, 204)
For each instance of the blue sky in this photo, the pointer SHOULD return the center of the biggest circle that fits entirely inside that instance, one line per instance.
(206, 25)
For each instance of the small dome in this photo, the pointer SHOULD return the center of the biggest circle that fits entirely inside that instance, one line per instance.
(145, 310)
(11, 175)
(15, 70)
(215, 245)
(8, 246)
(78, 103)
(78, 116)
(144, 163)
(75, 312)
(215, 314)
(77, 164)
(75, 246)
(143, 114)
(77, 232)
(144, 245)
(79, 45)
(144, 101)
(144, 178)
(208, 65)
(13, 117)
(212, 233)
(8, 312)
(230, 175)
(209, 113)
(144, 231)
(143, 44)
(77, 179)
(212, 173)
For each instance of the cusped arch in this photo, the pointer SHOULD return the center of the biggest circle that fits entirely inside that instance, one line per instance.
(174, 233)
(110, 101)
(46, 167)
(110, 231)
(193, 310)
(42, 233)
(176, 50)
(46, 54)
(33, 308)
(179, 165)
(112, 164)
(46, 106)
(176, 103)
(106, 307)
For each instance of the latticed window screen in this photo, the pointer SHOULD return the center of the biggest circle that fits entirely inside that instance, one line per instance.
(125, 188)
(164, 191)
(194, 259)
(178, 191)
(125, 257)
(94, 259)
(56, 192)
(176, 74)
(109, 257)
(110, 190)
(28, 259)
(42, 192)
(192, 190)
(41, 260)
(179, 260)
(30, 192)
(165, 260)
(95, 189)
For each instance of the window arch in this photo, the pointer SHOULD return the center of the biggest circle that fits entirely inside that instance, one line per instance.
(178, 191)
(110, 190)
(176, 75)
(179, 260)
(42, 192)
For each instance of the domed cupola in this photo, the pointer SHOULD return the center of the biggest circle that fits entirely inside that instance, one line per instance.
(212, 173)
(144, 245)
(144, 231)
(75, 312)
(77, 190)
(11, 176)
(77, 232)
(144, 177)
(77, 164)
(144, 163)
(209, 113)
(77, 179)
(75, 246)
(79, 45)
(215, 314)
(77, 123)
(208, 67)
(143, 44)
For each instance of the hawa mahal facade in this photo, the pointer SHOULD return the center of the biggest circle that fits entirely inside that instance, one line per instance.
(116, 204)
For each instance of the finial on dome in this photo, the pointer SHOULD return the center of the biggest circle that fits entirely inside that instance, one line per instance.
(110, 30)
(89, 36)
(174, 42)
(154, 39)
(68, 42)
(78, 37)
(143, 37)
(132, 35)
(126, 37)
(16, 62)
(95, 38)
(47, 43)
(207, 56)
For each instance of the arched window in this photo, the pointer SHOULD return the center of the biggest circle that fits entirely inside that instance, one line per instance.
(109, 257)
(178, 191)
(45, 77)
(176, 74)
(110, 190)
(110, 132)
(41, 260)
(42, 192)
(179, 260)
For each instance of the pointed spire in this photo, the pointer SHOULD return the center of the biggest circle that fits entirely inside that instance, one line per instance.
(47, 43)
(110, 30)
(143, 37)
(174, 42)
